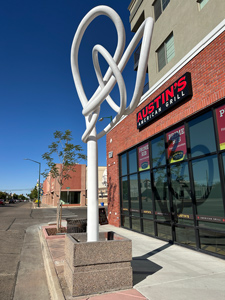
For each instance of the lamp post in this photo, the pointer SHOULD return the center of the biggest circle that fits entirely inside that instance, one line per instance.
(101, 119)
(39, 178)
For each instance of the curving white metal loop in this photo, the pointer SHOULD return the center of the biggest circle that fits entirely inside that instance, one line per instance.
(91, 107)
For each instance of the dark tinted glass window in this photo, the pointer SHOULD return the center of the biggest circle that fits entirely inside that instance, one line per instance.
(158, 152)
(125, 221)
(164, 231)
(224, 163)
(202, 137)
(186, 236)
(208, 187)
(165, 3)
(136, 224)
(212, 241)
(146, 193)
(132, 161)
(159, 6)
(123, 163)
(134, 194)
(162, 205)
(148, 227)
(181, 192)
(157, 9)
(124, 193)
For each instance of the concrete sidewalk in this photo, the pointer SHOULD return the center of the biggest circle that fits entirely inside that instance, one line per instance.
(161, 271)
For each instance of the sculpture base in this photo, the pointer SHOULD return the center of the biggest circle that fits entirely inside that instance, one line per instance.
(96, 267)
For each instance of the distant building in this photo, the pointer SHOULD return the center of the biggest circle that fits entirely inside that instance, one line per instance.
(166, 168)
(74, 190)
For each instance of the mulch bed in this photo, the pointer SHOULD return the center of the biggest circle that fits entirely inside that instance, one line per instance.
(53, 231)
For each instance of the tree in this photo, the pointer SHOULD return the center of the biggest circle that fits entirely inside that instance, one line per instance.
(34, 193)
(3, 195)
(68, 155)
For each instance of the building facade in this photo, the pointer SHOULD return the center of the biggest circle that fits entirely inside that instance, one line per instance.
(74, 189)
(166, 171)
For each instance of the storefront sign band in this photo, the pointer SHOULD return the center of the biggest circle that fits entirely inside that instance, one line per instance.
(177, 92)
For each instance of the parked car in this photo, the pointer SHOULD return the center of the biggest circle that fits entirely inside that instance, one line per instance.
(2, 202)
(12, 201)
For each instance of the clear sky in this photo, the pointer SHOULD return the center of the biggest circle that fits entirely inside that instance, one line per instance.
(37, 91)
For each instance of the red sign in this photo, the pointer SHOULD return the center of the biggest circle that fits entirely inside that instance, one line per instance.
(143, 157)
(177, 92)
(177, 149)
(220, 116)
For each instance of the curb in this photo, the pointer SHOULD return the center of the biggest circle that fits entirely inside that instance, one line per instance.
(52, 277)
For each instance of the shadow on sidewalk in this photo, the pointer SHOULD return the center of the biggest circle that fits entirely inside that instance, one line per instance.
(143, 267)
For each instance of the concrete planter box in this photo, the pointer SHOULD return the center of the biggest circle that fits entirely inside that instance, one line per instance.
(96, 267)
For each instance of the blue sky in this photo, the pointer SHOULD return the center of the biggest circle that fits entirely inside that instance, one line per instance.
(37, 91)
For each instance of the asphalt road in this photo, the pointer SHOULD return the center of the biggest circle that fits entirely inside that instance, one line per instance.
(15, 219)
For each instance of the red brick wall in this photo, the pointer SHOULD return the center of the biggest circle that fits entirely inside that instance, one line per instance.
(76, 181)
(208, 84)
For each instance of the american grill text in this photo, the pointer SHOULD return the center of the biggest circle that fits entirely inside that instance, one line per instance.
(178, 91)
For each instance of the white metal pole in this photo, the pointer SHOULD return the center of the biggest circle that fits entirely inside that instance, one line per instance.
(92, 179)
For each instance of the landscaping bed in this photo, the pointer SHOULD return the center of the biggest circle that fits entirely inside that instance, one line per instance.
(53, 230)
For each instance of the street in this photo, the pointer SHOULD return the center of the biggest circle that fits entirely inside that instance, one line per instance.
(15, 221)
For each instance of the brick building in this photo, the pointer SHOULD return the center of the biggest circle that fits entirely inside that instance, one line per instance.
(74, 189)
(166, 173)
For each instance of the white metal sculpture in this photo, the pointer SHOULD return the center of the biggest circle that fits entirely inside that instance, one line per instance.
(91, 107)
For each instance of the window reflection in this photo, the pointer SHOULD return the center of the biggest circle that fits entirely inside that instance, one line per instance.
(124, 191)
(164, 231)
(158, 152)
(136, 224)
(207, 187)
(162, 206)
(146, 193)
(212, 241)
(181, 191)
(186, 236)
(132, 161)
(134, 195)
(202, 136)
(223, 156)
(124, 164)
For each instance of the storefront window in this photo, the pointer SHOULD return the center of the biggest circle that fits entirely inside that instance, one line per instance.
(202, 136)
(162, 206)
(125, 221)
(158, 152)
(212, 241)
(148, 227)
(164, 231)
(124, 192)
(136, 224)
(223, 156)
(186, 236)
(146, 195)
(181, 192)
(134, 199)
(123, 163)
(70, 197)
(132, 161)
(177, 193)
(208, 187)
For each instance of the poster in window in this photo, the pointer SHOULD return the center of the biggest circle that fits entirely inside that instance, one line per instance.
(143, 157)
(177, 149)
(220, 116)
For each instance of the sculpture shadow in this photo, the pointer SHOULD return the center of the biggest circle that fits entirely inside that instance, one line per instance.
(143, 267)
